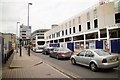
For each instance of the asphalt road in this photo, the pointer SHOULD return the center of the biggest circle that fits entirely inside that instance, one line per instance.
(77, 71)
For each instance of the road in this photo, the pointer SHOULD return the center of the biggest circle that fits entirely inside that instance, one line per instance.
(77, 71)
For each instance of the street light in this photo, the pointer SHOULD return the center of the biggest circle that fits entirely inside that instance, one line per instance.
(17, 29)
(28, 13)
(17, 37)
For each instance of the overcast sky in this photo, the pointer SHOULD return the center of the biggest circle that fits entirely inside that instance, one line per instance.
(43, 13)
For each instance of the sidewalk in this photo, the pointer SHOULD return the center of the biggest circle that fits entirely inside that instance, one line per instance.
(30, 67)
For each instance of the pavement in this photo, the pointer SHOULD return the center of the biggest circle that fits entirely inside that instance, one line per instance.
(26, 66)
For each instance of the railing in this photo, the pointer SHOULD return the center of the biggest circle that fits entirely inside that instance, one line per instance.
(7, 56)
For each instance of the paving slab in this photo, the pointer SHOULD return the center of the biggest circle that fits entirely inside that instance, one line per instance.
(30, 67)
(25, 60)
(40, 71)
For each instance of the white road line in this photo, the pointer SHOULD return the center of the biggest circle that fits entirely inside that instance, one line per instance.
(62, 71)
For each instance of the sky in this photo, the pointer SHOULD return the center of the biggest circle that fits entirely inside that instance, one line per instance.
(43, 13)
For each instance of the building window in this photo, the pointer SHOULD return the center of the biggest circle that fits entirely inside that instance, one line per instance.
(62, 33)
(23, 34)
(69, 23)
(88, 16)
(20, 26)
(58, 34)
(95, 23)
(50, 37)
(79, 27)
(95, 13)
(23, 31)
(88, 25)
(117, 18)
(73, 29)
(54, 35)
(29, 27)
(23, 37)
(79, 21)
(40, 37)
(66, 31)
(70, 30)
(37, 32)
(73, 21)
(65, 24)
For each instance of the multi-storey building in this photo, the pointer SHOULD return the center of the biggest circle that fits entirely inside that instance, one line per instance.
(97, 27)
(9, 42)
(25, 33)
(38, 40)
(8, 45)
(1, 52)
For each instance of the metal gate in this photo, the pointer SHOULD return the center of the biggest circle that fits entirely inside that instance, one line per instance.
(70, 46)
(115, 46)
(99, 44)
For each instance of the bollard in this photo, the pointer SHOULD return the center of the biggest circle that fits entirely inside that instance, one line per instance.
(29, 50)
(20, 47)
(5, 59)
(20, 51)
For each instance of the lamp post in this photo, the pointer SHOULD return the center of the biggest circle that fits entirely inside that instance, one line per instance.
(28, 16)
(17, 37)
(28, 12)
(28, 26)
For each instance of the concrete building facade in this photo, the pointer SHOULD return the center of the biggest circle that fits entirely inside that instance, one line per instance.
(37, 38)
(1, 52)
(8, 41)
(25, 34)
(97, 27)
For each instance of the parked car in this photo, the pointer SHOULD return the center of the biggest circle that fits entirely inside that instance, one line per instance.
(95, 59)
(61, 52)
(47, 50)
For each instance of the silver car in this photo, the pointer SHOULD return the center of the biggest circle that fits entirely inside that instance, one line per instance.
(95, 59)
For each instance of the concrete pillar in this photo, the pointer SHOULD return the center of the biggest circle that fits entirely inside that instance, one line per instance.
(84, 41)
(98, 35)
(108, 39)
(71, 39)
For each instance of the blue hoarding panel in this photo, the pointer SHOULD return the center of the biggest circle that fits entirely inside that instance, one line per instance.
(70, 46)
(99, 44)
(115, 46)
(55, 45)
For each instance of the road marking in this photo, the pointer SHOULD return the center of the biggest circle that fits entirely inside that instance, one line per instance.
(57, 70)
(71, 76)
(60, 70)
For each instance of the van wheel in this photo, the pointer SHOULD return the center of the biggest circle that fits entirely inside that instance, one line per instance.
(73, 61)
(93, 67)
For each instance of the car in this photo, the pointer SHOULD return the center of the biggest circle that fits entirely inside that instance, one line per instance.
(61, 52)
(47, 50)
(95, 59)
